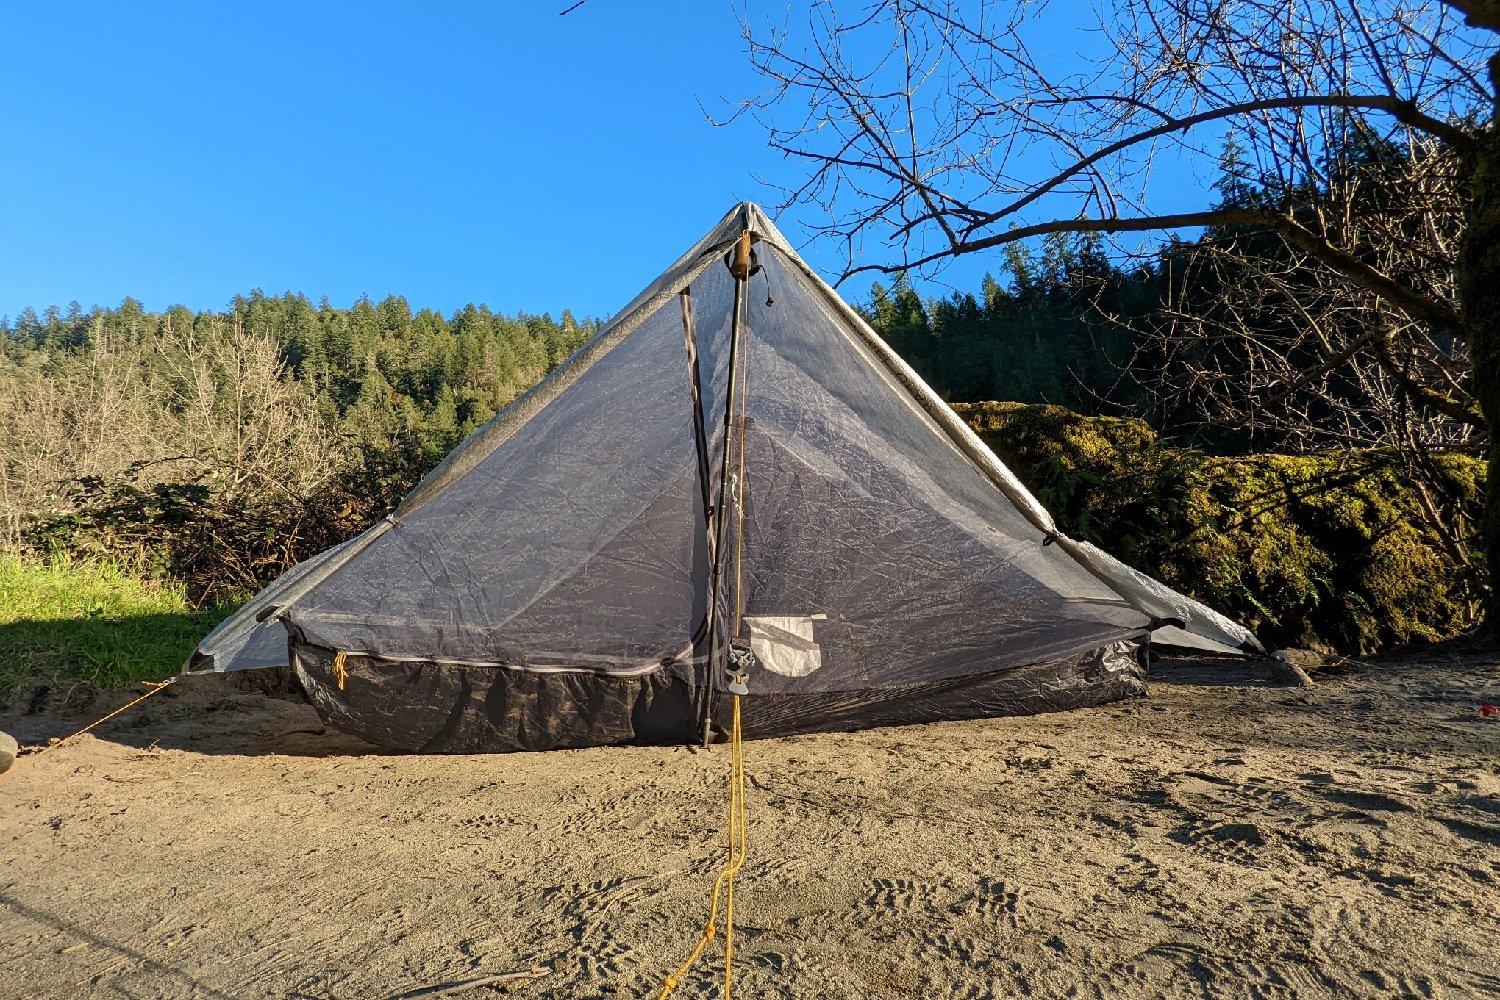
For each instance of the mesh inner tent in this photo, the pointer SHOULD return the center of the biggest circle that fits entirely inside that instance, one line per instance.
(873, 552)
(577, 543)
(550, 582)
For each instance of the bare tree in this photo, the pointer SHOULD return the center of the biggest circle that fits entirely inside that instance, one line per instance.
(1257, 335)
(932, 129)
(199, 434)
(91, 419)
(240, 422)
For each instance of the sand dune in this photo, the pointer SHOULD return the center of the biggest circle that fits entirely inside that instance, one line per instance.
(1225, 837)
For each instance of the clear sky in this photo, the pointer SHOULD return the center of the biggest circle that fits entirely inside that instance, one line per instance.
(447, 152)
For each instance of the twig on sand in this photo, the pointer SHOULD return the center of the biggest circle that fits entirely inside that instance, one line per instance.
(93, 980)
(449, 989)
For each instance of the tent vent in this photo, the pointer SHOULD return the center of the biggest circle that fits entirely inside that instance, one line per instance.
(783, 644)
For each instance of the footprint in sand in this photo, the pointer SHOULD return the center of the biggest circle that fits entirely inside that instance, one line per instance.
(1368, 801)
(1237, 842)
(902, 895)
(992, 900)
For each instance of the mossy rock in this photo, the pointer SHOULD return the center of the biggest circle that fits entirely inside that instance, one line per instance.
(1338, 552)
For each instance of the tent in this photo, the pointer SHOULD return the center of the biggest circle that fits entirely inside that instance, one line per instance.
(735, 466)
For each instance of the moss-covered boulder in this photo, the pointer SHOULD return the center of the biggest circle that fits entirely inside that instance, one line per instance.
(1345, 552)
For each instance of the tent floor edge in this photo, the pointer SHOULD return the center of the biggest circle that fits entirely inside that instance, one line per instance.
(442, 708)
(427, 707)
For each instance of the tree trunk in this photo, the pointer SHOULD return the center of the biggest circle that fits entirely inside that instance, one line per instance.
(1479, 298)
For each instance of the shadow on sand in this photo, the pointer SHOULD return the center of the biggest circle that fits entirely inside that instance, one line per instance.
(1216, 671)
(250, 713)
(128, 958)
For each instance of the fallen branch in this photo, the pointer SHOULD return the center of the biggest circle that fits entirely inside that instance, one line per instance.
(1284, 666)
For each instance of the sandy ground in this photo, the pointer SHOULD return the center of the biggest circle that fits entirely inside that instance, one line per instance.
(1227, 837)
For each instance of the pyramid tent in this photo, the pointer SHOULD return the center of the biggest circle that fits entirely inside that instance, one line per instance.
(735, 464)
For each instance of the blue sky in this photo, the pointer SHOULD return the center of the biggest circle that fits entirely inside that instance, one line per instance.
(450, 153)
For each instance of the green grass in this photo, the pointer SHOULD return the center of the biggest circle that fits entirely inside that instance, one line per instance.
(64, 622)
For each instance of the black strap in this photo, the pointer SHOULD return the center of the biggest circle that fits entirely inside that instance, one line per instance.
(700, 436)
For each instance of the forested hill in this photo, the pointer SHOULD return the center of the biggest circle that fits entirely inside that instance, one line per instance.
(1035, 334)
(1057, 326)
(444, 375)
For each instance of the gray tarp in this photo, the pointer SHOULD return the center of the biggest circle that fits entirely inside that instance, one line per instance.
(872, 541)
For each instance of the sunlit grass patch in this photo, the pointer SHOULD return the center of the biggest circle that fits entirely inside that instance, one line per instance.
(65, 621)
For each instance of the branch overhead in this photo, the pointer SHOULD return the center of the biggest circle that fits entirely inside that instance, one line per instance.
(1339, 136)
(1478, 13)
(954, 137)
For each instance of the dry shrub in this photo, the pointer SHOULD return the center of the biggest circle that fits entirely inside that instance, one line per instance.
(199, 457)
